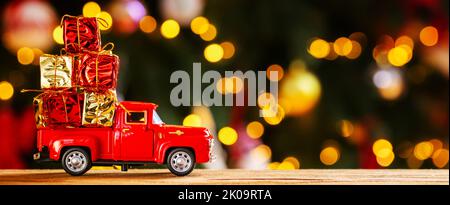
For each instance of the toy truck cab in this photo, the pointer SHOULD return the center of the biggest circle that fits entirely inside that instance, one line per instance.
(138, 136)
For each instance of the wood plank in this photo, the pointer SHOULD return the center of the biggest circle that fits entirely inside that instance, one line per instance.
(229, 177)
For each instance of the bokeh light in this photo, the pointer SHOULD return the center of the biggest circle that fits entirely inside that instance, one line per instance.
(228, 49)
(193, 120)
(398, 56)
(147, 24)
(265, 99)
(382, 148)
(413, 162)
(329, 155)
(199, 25)
(107, 18)
(6, 90)
(355, 51)
(437, 144)
(319, 48)
(331, 55)
(345, 128)
(210, 34)
(255, 130)
(230, 85)
(28, 24)
(404, 40)
(25, 55)
(182, 11)
(387, 160)
(440, 158)
(227, 136)
(91, 9)
(234, 84)
(343, 46)
(423, 150)
(135, 9)
(170, 29)
(359, 37)
(261, 152)
(37, 54)
(275, 68)
(286, 165)
(292, 160)
(273, 118)
(220, 86)
(381, 50)
(58, 35)
(300, 91)
(389, 82)
(429, 36)
(273, 165)
(213, 53)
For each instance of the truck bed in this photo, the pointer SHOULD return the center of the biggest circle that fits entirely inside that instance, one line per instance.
(101, 138)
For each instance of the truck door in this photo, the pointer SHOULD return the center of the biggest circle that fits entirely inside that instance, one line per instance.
(136, 137)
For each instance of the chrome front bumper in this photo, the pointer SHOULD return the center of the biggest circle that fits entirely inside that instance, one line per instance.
(212, 156)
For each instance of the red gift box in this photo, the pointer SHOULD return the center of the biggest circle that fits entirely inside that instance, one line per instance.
(81, 34)
(58, 108)
(97, 71)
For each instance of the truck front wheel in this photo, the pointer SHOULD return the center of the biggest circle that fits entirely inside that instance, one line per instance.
(76, 161)
(181, 161)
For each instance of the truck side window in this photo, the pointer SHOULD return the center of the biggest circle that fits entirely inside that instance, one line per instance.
(136, 118)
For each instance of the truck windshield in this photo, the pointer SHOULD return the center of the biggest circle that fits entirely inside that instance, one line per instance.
(156, 119)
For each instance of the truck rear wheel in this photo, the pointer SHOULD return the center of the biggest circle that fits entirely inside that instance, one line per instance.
(76, 161)
(181, 161)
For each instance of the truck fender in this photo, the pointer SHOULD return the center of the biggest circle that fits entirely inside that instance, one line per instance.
(57, 146)
(164, 147)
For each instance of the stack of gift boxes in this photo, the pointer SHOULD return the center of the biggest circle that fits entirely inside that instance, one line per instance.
(78, 85)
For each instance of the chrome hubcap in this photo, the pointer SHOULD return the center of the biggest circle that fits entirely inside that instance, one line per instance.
(76, 161)
(181, 161)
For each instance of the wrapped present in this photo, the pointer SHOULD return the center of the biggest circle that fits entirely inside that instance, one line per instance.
(99, 108)
(58, 109)
(97, 71)
(81, 34)
(56, 71)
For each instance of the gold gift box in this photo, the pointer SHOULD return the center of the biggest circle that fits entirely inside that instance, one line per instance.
(98, 109)
(56, 71)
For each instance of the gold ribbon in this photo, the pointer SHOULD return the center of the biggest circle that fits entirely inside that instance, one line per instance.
(40, 90)
(96, 71)
(102, 21)
(65, 107)
(123, 107)
(30, 90)
(103, 50)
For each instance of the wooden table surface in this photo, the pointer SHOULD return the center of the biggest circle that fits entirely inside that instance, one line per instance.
(228, 177)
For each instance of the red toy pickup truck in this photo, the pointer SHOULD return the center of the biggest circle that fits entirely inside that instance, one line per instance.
(137, 137)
